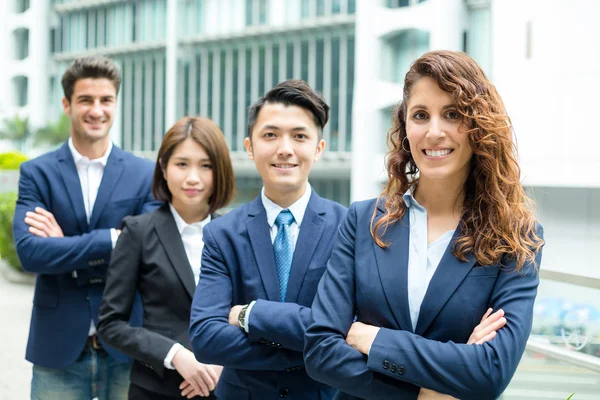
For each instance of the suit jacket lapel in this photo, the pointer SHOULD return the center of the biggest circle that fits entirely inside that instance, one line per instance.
(260, 238)
(446, 279)
(112, 173)
(70, 177)
(310, 233)
(392, 263)
(168, 234)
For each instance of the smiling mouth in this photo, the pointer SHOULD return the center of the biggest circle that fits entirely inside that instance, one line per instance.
(284, 166)
(437, 153)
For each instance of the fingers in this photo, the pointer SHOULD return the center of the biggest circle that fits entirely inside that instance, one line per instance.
(487, 314)
(488, 328)
(187, 389)
(44, 221)
(37, 232)
(47, 214)
(491, 319)
(37, 221)
(487, 338)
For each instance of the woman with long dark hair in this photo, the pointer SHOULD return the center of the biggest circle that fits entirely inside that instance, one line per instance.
(452, 235)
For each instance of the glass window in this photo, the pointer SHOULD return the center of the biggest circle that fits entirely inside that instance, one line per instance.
(349, 92)
(478, 37)
(351, 6)
(21, 38)
(402, 49)
(336, 6)
(289, 64)
(304, 9)
(304, 60)
(320, 8)
(335, 93)
(21, 6)
(20, 84)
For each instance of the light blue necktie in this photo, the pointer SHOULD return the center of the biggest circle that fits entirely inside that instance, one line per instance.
(282, 247)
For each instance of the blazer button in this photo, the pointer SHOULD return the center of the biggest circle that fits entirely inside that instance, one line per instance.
(401, 370)
(393, 368)
(386, 364)
(284, 392)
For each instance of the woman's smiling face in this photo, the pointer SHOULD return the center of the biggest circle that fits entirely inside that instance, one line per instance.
(438, 138)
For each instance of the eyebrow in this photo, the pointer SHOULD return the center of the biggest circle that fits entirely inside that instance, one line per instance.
(276, 128)
(425, 107)
(89, 96)
(187, 159)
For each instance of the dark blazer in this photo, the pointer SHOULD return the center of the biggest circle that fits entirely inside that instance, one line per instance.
(63, 305)
(238, 266)
(370, 283)
(149, 258)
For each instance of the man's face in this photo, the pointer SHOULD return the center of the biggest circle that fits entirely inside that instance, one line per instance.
(285, 144)
(91, 109)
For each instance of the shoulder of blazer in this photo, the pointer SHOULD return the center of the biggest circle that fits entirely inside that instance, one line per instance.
(142, 221)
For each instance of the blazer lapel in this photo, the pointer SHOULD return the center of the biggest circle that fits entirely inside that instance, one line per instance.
(392, 263)
(70, 177)
(446, 279)
(110, 177)
(168, 234)
(311, 231)
(260, 238)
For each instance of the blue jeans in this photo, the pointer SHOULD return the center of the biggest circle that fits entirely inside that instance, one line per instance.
(95, 374)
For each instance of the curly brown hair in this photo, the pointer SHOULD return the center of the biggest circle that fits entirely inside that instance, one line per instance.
(497, 221)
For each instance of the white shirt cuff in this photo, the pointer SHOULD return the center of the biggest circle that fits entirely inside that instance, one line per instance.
(247, 329)
(113, 237)
(170, 356)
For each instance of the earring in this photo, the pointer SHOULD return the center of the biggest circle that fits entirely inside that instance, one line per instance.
(403, 148)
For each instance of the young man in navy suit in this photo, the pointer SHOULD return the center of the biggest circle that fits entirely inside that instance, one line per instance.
(70, 206)
(262, 262)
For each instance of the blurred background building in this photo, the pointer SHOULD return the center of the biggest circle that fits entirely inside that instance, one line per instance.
(214, 57)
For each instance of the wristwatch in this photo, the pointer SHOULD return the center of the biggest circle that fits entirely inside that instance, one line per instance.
(242, 318)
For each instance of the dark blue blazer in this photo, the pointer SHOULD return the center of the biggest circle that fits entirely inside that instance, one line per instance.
(238, 266)
(366, 282)
(64, 305)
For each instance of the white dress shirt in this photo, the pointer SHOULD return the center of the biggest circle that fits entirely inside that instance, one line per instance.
(191, 236)
(90, 176)
(297, 209)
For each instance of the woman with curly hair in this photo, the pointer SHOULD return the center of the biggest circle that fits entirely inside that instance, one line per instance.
(452, 235)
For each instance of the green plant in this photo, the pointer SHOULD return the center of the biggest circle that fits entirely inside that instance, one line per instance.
(572, 394)
(11, 160)
(16, 129)
(8, 252)
(56, 132)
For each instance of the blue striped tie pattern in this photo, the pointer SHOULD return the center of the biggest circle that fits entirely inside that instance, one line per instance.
(283, 250)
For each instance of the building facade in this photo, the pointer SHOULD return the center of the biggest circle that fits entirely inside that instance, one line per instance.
(214, 57)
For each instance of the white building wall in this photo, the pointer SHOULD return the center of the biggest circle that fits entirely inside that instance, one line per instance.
(551, 93)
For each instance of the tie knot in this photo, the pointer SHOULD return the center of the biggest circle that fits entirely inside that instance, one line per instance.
(284, 218)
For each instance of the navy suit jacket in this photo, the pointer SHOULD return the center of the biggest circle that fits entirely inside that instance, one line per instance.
(64, 305)
(238, 266)
(366, 282)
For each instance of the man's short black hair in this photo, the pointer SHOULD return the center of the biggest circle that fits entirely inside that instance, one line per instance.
(294, 92)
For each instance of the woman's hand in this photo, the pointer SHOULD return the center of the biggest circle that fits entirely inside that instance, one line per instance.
(484, 332)
(488, 326)
(199, 379)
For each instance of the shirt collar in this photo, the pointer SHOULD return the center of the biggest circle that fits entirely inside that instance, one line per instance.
(297, 209)
(77, 157)
(181, 224)
(409, 199)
